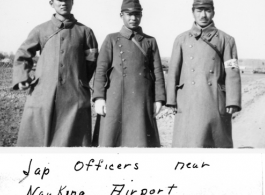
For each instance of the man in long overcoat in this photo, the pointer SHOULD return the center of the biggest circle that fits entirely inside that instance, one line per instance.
(204, 85)
(129, 87)
(57, 111)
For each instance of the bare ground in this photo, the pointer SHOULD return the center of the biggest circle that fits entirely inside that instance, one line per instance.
(249, 124)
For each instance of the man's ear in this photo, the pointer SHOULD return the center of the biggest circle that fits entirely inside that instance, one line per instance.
(121, 14)
(51, 3)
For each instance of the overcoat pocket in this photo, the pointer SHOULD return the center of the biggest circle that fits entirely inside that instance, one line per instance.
(108, 77)
(84, 96)
(179, 86)
(221, 99)
(86, 86)
(179, 97)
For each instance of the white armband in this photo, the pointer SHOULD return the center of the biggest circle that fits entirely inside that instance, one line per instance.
(91, 51)
(233, 63)
(91, 54)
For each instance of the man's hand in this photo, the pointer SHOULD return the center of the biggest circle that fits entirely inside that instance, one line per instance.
(157, 108)
(232, 109)
(23, 85)
(100, 107)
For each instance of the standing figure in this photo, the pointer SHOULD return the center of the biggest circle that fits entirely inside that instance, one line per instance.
(204, 85)
(129, 87)
(58, 109)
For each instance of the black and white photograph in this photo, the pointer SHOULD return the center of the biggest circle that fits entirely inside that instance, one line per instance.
(173, 79)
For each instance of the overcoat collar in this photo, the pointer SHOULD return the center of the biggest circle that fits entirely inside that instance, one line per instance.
(128, 34)
(68, 23)
(207, 32)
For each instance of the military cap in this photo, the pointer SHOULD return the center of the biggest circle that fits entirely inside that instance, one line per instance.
(131, 6)
(52, 1)
(203, 3)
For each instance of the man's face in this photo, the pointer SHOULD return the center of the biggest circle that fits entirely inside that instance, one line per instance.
(62, 7)
(203, 16)
(131, 20)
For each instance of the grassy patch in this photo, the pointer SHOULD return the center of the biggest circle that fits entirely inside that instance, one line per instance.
(11, 108)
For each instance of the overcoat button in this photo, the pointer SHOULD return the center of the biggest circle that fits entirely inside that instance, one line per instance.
(123, 60)
(120, 45)
(213, 58)
(193, 83)
(190, 46)
(210, 84)
(62, 51)
(191, 58)
(121, 52)
(192, 70)
(62, 38)
(211, 71)
(124, 75)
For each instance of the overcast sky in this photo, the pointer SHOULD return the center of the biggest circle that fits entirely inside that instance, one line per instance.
(163, 19)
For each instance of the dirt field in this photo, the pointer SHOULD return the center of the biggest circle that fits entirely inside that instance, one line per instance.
(11, 108)
(248, 126)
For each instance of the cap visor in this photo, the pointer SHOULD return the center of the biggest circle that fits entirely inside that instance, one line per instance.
(131, 10)
(204, 5)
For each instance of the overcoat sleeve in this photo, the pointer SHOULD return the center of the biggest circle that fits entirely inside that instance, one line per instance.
(91, 52)
(160, 92)
(23, 62)
(174, 71)
(104, 62)
(233, 80)
(91, 48)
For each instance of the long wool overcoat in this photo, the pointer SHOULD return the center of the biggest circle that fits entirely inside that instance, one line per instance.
(130, 82)
(201, 88)
(58, 110)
